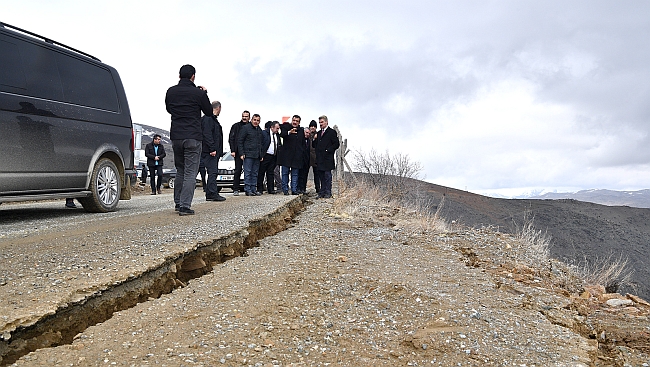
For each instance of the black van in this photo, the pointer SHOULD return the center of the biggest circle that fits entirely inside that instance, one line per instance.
(65, 125)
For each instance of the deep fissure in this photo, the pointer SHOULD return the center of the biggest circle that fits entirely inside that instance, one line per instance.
(72, 319)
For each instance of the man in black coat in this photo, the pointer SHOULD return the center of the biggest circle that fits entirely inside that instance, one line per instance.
(291, 154)
(212, 150)
(249, 146)
(155, 152)
(303, 173)
(185, 102)
(270, 146)
(325, 143)
(232, 141)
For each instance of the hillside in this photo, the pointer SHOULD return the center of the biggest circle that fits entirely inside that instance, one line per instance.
(580, 231)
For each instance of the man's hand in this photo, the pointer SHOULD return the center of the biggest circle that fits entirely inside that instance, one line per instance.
(202, 88)
(157, 158)
(232, 154)
(214, 154)
(242, 157)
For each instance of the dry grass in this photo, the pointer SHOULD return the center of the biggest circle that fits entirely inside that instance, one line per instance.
(534, 244)
(364, 198)
(612, 272)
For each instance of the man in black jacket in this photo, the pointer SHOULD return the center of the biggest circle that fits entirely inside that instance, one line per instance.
(155, 152)
(212, 150)
(232, 141)
(291, 154)
(185, 102)
(303, 173)
(249, 146)
(326, 143)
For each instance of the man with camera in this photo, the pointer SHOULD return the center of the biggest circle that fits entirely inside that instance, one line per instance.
(184, 102)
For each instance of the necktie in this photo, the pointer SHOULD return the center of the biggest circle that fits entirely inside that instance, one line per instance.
(275, 145)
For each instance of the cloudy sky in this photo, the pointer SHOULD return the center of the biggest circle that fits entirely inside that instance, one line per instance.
(489, 96)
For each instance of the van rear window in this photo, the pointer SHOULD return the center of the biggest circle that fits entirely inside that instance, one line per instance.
(86, 84)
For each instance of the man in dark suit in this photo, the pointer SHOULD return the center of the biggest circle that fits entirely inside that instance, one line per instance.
(212, 150)
(304, 170)
(155, 152)
(291, 154)
(270, 145)
(326, 143)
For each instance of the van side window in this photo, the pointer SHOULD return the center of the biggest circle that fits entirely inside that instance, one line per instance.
(11, 73)
(87, 84)
(41, 74)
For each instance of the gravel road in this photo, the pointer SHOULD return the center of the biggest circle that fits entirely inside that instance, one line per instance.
(332, 289)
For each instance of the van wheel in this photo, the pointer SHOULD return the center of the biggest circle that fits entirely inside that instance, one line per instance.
(170, 183)
(105, 187)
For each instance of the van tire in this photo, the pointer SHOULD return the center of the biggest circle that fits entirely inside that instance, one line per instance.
(171, 182)
(105, 186)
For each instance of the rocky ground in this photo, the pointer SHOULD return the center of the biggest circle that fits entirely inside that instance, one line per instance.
(357, 283)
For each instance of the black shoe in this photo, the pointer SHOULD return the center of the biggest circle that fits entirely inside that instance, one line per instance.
(257, 193)
(159, 191)
(70, 204)
(153, 193)
(272, 192)
(176, 207)
(249, 194)
(286, 192)
(215, 198)
(294, 193)
(185, 211)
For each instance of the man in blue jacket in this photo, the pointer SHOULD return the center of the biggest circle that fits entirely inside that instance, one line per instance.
(212, 150)
(155, 152)
(184, 102)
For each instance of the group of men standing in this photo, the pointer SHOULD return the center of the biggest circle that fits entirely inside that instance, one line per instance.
(289, 148)
(260, 153)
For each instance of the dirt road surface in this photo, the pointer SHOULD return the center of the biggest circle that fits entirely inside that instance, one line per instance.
(145, 287)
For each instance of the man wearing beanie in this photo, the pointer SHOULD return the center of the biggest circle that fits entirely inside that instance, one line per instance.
(184, 102)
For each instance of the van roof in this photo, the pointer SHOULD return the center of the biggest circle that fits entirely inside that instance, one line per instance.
(47, 40)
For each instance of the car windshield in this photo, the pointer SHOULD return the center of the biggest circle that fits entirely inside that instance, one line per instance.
(227, 157)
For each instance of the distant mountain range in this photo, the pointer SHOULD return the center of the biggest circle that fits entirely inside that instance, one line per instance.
(636, 199)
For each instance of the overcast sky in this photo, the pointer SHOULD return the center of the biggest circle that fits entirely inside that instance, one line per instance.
(489, 96)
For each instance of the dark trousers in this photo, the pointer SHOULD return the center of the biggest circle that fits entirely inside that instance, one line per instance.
(156, 171)
(267, 168)
(316, 178)
(145, 173)
(187, 154)
(212, 167)
(326, 184)
(202, 172)
(302, 179)
(239, 166)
